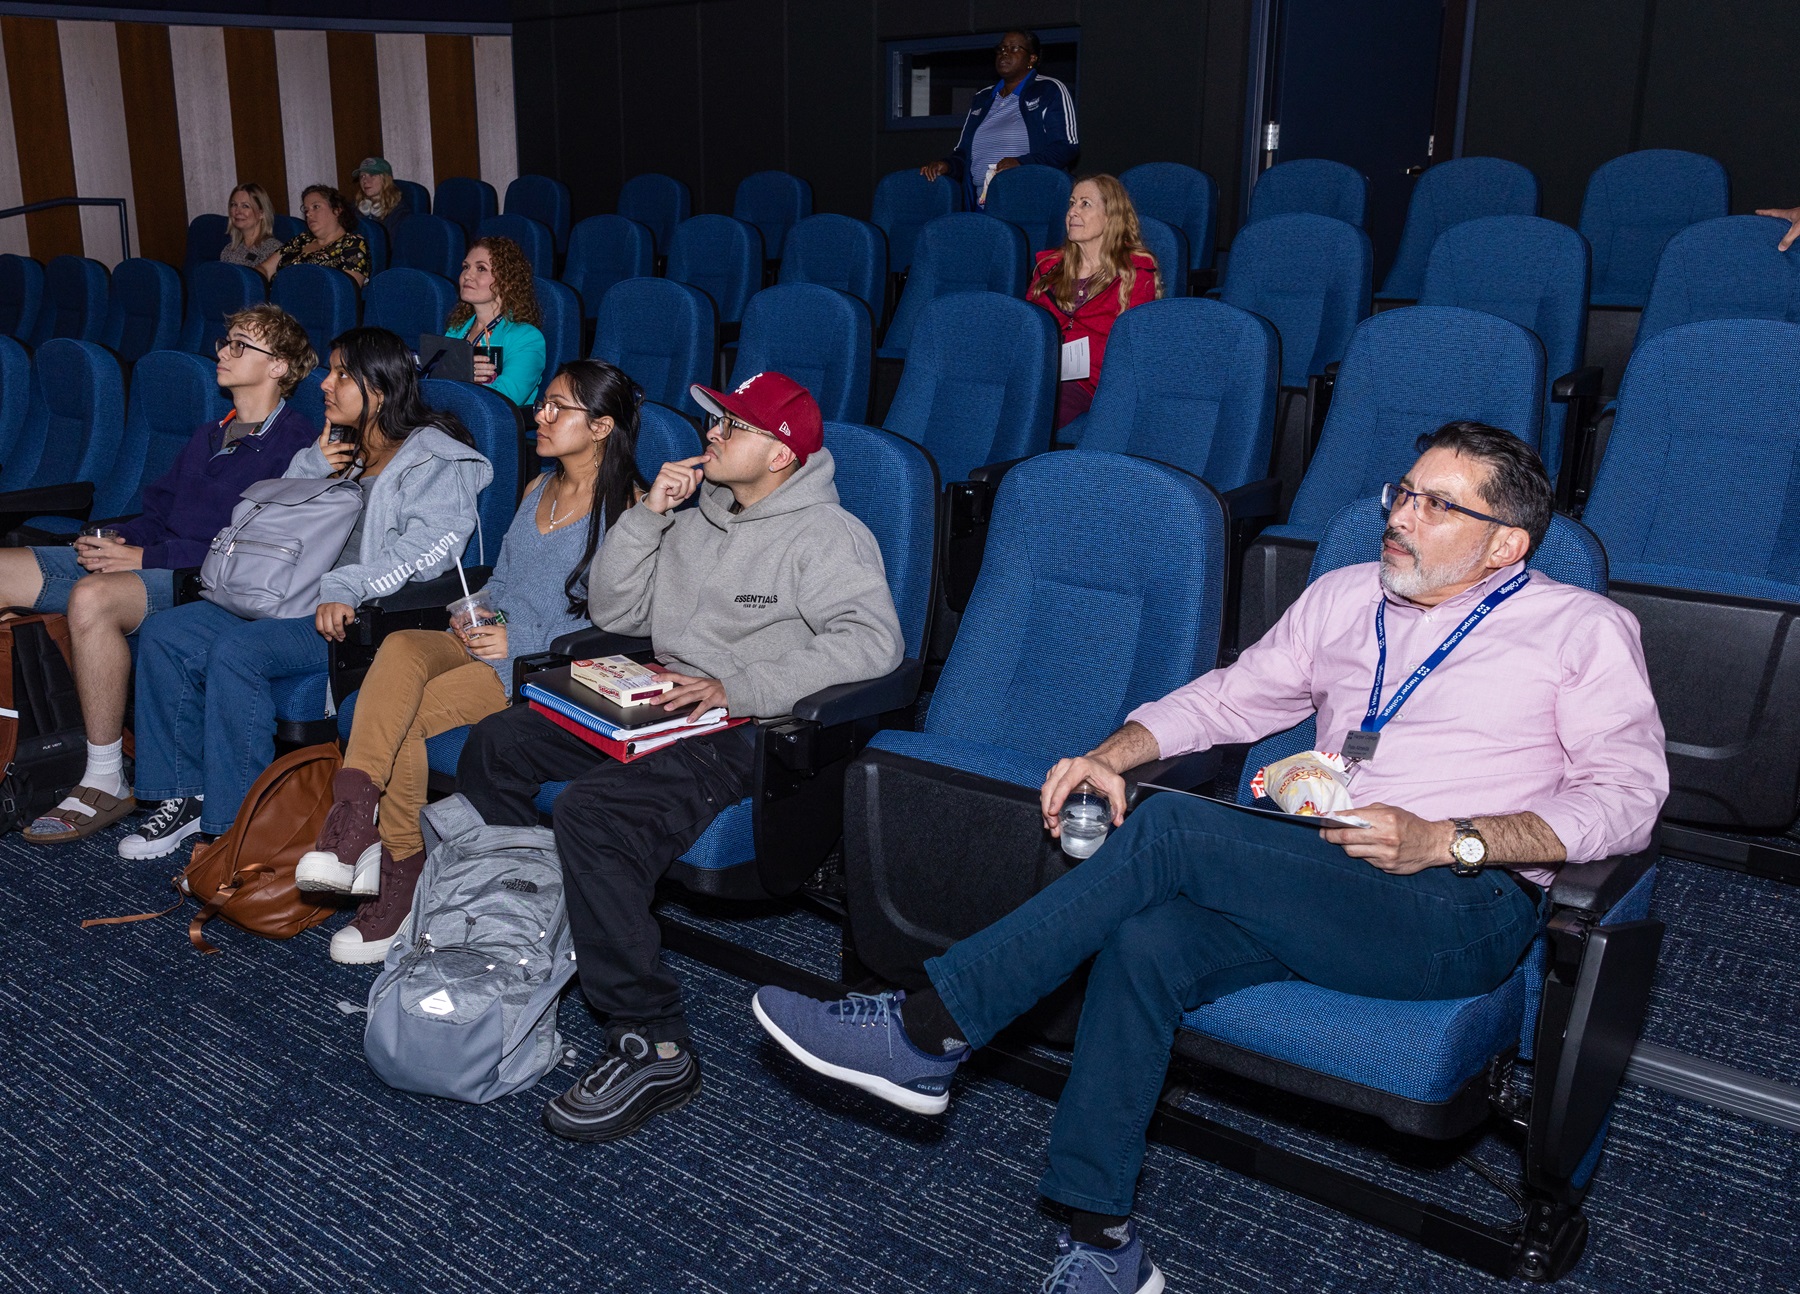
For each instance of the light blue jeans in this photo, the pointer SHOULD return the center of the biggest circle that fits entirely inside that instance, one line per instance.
(206, 702)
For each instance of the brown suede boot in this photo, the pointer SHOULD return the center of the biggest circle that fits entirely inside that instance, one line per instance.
(381, 921)
(348, 857)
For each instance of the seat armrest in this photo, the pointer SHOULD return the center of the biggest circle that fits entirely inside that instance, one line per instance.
(1256, 500)
(990, 474)
(1319, 388)
(585, 644)
(844, 702)
(436, 593)
(1582, 383)
(1598, 886)
(1178, 772)
(76, 499)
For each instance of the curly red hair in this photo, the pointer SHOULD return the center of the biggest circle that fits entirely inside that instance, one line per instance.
(512, 281)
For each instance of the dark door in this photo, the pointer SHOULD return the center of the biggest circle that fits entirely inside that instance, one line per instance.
(1355, 81)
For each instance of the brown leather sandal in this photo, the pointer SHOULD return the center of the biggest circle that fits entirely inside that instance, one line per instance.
(59, 826)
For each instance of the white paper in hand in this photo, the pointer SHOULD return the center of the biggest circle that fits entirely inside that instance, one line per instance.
(1075, 360)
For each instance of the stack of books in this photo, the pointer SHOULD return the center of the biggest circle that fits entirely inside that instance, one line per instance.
(625, 730)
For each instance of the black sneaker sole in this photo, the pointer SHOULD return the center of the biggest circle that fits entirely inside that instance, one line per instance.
(666, 1103)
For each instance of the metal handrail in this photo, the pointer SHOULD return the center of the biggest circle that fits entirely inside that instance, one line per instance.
(124, 227)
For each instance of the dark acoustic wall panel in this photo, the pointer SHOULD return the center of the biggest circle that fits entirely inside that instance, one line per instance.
(664, 97)
(1725, 80)
(1222, 88)
(833, 102)
(538, 91)
(1552, 87)
(1141, 83)
(745, 86)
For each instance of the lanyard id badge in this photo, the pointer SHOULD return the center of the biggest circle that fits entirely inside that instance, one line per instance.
(1360, 743)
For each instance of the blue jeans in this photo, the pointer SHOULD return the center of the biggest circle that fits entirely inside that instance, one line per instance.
(62, 573)
(1190, 901)
(206, 702)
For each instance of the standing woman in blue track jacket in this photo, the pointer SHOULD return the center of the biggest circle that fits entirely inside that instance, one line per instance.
(1023, 118)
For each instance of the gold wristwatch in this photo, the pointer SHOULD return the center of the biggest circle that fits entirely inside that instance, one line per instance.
(1468, 851)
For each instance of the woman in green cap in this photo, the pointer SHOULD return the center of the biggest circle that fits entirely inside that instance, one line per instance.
(380, 199)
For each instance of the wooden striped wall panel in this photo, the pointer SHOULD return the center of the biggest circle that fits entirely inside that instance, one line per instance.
(170, 117)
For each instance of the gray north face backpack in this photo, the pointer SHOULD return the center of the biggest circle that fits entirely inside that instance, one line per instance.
(465, 1005)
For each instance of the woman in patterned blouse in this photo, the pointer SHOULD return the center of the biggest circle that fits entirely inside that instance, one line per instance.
(328, 241)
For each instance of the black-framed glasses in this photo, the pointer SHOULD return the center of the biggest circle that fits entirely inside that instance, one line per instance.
(731, 425)
(1429, 507)
(237, 346)
(1012, 49)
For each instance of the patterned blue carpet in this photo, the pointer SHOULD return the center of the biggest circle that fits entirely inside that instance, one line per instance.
(178, 1122)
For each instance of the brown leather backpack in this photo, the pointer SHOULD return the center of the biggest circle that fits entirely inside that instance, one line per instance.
(246, 876)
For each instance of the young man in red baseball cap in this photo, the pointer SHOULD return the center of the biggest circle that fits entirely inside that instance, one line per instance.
(763, 593)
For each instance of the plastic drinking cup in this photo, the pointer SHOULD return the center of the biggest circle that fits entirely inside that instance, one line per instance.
(1085, 821)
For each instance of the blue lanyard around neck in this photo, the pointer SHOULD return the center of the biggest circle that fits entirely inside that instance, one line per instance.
(1379, 714)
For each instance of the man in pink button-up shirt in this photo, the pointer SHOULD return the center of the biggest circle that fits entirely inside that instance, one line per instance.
(1534, 744)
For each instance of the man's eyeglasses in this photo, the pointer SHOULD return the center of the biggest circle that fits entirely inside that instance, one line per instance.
(236, 346)
(1429, 507)
(1012, 49)
(729, 425)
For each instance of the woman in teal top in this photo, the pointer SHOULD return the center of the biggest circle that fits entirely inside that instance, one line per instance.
(499, 309)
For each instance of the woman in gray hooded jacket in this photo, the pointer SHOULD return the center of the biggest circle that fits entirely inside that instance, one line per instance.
(206, 678)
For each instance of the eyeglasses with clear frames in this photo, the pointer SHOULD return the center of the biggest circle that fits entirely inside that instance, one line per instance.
(1429, 507)
(555, 408)
(237, 346)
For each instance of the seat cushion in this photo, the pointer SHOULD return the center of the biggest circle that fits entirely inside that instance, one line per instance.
(1422, 1051)
(1700, 580)
(997, 762)
(301, 699)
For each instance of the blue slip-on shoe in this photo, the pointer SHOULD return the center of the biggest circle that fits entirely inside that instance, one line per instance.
(859, 1041)
(1088, 1269)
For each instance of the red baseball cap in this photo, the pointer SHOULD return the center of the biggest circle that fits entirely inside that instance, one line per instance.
(771, 402)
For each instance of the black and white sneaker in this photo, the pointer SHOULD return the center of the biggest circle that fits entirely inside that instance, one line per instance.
(173, 822)
(633, 1081)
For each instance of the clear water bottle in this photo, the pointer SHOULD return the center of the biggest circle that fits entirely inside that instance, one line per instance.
(1085, 821)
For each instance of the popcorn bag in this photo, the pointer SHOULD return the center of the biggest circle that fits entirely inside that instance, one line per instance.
(1312, 783)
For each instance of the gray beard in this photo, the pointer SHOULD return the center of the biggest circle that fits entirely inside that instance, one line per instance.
(1421, 580)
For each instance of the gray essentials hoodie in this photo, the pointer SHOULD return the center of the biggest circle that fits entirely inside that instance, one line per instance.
(417, 514)
(780, 600)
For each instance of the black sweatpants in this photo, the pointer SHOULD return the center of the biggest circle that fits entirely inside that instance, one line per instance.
(618, 829)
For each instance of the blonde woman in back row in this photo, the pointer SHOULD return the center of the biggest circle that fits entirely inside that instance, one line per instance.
(252, 220)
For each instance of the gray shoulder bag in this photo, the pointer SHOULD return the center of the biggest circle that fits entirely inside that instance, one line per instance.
(285, 534)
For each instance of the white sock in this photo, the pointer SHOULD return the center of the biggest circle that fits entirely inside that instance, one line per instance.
(105, 772)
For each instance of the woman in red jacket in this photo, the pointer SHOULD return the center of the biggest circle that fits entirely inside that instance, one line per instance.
(1094, 277)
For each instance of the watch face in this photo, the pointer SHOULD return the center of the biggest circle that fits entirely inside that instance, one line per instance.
(1470, 849)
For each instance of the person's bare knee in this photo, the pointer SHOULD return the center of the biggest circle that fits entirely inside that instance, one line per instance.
(110, 602)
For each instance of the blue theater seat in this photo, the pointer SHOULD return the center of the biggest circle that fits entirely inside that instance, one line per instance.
(1180, 196)
(1463, 188)
(723, 257)
(1634, 204)
(1035, 198)
(774, 202)
(15, 393)
(602, 251)
(1728, 268)
(465, 202)
(544, 200)
(657, 202)
(409, 303)
(533, 239)
(962, 252)
(839, 252)
(216, 291)
(71, 434)
(144, 312)
(905, 202)
(207, 235)
(816, 335)
(1309, 276)
(76, 289)
(418, 197)
(1311, 185)
(561, 325)
(662, 333)
(21, 295)
(381, 251)
(322, 299)
(429, 243)
(1168, 248)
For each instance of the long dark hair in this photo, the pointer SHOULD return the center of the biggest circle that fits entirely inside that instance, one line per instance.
(603, 392)
(378, 360)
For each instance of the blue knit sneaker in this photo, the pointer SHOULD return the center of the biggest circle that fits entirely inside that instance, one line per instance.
(1087, 1269)
(859, 1041)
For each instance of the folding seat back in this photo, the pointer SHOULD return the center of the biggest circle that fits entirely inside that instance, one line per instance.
(465, 202)
(1529, 270)
(489, 418)
(1036, 199)
(381, 250)
(15, 393)
(308, 398)
(207, 235)
(544, 200)
(1407, 372)
(216, 291)
(1311, 185)
(322, 299)
(1634, 204)
(1308, 275)
(1708, 428)
(1180, 196)
(144, 313)
(664, 436)
(720, 255)
(75, 300)
(1728, 268)
(839, 252)
(1168, 248)
(816, 335)
(288, 228)
(418, 197)
(21, 295)
(905, 202)
(1463, 188)
(962, 252)
(1190, 383)
(561, 325)
(662, 333)
(75, 420)
(774, 202)
(172, 393)
(657, 202)
(409, 303)
(429, 243)
(602, 251)
(533, 239)
(980, 382)
(1102, 589)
